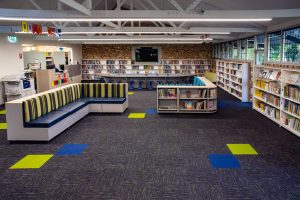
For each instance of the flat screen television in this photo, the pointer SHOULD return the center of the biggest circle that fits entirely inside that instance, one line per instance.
(146, 54)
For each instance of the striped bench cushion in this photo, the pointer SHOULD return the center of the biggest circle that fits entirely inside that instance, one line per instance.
(36, 107)
(104, 90)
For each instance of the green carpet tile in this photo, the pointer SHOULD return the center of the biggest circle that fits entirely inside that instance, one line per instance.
(162, 156)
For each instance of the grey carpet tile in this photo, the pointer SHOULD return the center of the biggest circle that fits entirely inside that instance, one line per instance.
(164, 156)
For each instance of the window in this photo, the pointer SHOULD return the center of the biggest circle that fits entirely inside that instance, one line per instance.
(243, 52)
(260, 41)
(230, 53)
(250, 48)
(235, 50)
(226, 50)
(215, 51)
(291, 45)
(274, 46)
(221, 51)
(260, 46)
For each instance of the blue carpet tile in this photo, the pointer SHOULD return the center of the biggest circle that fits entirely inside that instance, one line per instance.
(71, 149)
(223, 161)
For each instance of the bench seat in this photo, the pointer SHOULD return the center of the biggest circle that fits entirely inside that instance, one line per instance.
(54, 117)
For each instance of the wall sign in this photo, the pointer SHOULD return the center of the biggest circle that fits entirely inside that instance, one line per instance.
(12, 39)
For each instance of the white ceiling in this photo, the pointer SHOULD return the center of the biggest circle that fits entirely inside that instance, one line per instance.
(150, 5)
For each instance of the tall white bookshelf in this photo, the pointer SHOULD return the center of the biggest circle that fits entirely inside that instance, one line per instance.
(277, 95)
(233, 77)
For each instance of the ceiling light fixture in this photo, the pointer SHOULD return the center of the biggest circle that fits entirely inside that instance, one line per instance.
(134, 19)
(135, 39)
(135, 32)
(141, 42)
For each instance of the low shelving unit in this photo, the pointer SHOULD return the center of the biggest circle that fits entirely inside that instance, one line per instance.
(233, 77)
(94, 69)
(277, 95)
(199, 98)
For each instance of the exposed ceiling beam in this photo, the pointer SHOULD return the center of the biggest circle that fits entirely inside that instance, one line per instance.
(192, 6)
(140, 15)
(40, 8)
(156, 8)
(145, 7)
(176, 5)
(35, 4)
(96, 4)
(76, 6)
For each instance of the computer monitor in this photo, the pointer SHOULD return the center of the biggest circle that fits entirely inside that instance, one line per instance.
(50, 67)
(62, 67)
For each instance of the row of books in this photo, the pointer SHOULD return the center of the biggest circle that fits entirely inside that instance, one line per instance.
(269, 74)
(292, 107)
(179, 62)
(291, 122)
(268, 97)
(268, 110)
(273, 87)
(124, 62)
(91, 62)
(292, 92)
(167, 93)
(198, 105)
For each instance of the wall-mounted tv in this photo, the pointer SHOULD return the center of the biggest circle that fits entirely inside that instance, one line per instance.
(146, 54)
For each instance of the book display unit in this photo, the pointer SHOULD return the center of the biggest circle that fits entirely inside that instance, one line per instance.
(187, 66)
(277, 95)
(187, 99)
(233, 77)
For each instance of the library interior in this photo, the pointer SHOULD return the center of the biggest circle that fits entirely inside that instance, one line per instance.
(150, 99)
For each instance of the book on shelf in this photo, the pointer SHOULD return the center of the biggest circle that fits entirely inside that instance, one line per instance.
(167, 93)
(273, 87)
(294, 78)
(272, 99)
(193, 105)
(269, 74)
(167, 107)
(212, 93)
(292, 107)
(268, 110)
(292, 92)
(291, 122)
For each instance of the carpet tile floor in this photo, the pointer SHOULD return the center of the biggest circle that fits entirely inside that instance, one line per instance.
(162, 156)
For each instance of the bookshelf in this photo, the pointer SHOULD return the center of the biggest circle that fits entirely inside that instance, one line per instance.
(187, 99)
(233, 77)
(277, 95)
(187, 66)
(94, 69)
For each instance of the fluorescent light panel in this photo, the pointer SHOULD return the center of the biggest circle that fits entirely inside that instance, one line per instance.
(135, 39)
(135, 19)
(120, 32)
(151, 42)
